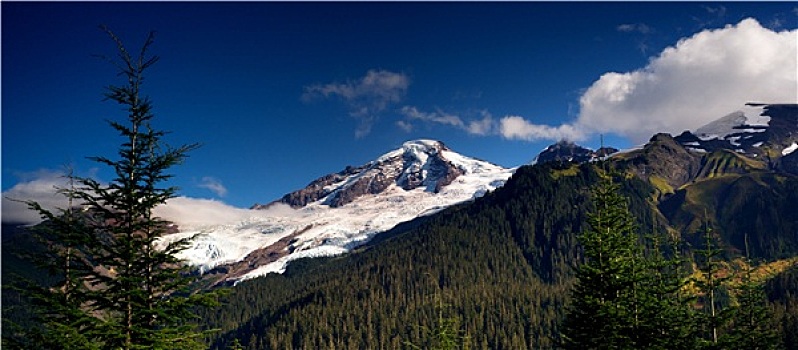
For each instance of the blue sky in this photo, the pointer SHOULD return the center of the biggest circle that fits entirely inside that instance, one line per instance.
(281, 93)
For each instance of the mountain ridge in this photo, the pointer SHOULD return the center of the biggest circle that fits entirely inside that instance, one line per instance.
(417, 163)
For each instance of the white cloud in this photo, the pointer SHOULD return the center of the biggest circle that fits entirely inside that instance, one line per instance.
(41, 187)
(509, 127)
(186, 212)
(483, 126)
(214, 185)
(700, 79)
(518, 128)
(366, 97)
(196, 212)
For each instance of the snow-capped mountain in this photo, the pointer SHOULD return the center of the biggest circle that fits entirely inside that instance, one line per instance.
(340, 211)
(763, 131)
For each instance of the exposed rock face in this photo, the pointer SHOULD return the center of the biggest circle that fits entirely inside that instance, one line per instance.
(372, 181)
(419, 163)
(314, 191)
(441, 174)
(259, 257)
(605, 151)
(666, 158)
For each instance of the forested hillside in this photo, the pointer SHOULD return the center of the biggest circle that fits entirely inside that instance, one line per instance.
(502, 266)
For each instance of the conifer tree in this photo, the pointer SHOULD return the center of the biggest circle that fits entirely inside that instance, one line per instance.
(668, 316)
(444, 335)
(626, 297)
(752, 326)
(61, 317)
(602, 314)
(714, 317)
(122, 287)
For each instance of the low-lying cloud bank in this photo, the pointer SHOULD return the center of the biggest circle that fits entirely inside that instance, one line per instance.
(42, 188)
(186, 212)
(197, 212)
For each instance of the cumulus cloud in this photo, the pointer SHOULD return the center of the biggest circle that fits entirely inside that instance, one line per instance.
(366, 97)
(694, 82)
(214, 185)
(41, 187)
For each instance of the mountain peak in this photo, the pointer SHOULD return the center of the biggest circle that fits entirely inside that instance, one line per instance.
(421, 148)
(425, 143)
(567, 151)
(423, 163)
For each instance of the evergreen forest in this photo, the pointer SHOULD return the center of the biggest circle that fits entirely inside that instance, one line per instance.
(507, 268)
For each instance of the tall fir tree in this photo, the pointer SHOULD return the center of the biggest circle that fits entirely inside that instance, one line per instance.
(714, 317)
(602, 313)
(122, 288)
(626, 297)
